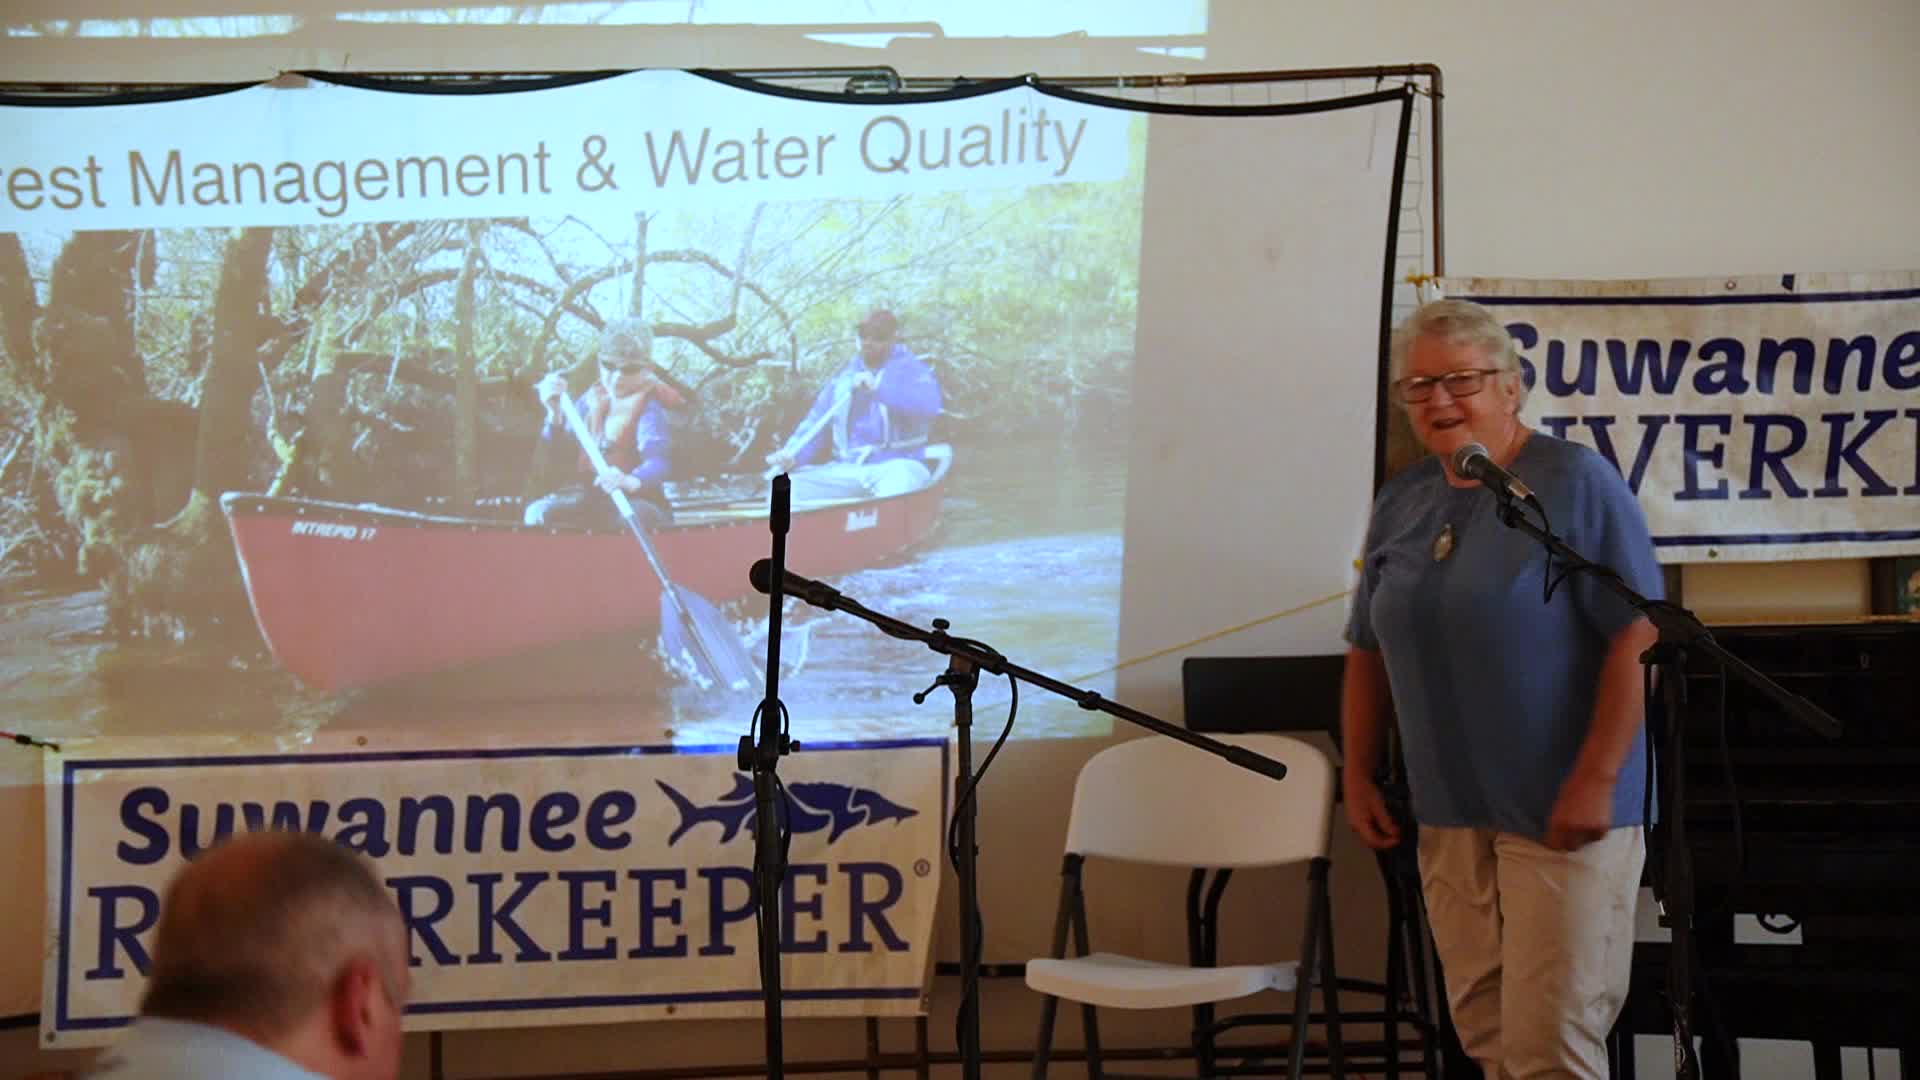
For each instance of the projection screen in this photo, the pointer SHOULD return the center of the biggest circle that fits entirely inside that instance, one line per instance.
(271, 357)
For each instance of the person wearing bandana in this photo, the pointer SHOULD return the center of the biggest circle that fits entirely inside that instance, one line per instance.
(626, 413)
(1521, 722)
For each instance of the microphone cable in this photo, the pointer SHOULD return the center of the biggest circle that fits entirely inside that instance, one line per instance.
(963, 1016)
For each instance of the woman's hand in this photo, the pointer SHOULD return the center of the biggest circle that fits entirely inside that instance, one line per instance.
(1583, 812)
(1368, 814)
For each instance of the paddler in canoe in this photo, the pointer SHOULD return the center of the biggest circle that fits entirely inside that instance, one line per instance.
(625, 411)
(866, 435)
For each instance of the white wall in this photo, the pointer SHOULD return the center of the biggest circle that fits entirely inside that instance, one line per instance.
(1643, 139)
(1634, 138)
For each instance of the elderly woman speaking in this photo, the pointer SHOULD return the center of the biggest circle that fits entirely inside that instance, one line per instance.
(1521, 721)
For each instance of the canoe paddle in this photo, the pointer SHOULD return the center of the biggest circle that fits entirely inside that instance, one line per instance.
(692, 630)
(842, 397)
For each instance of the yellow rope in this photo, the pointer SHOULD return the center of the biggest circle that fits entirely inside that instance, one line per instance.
(1215, 636)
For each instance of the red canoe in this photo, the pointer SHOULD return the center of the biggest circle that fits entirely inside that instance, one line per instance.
(350, 595)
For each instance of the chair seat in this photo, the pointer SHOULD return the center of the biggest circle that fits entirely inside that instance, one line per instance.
(1109, 980)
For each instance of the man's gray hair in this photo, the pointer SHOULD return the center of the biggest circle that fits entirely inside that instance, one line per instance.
(256, 930)
(627, 339)
(1456, 322)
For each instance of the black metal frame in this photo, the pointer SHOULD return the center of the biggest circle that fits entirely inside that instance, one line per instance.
(1205, 887)
(1411, 991)
(1224, 694)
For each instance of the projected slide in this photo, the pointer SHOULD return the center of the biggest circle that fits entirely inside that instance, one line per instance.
(343, 405)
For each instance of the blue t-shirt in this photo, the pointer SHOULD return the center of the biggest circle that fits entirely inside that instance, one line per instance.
(1493, 689)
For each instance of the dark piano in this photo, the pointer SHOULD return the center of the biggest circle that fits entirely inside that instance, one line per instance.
(1817, 834)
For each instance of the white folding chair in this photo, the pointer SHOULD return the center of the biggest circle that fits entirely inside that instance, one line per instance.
(1161, 802)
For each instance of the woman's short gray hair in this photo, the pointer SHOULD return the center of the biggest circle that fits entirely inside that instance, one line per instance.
(1456, 322)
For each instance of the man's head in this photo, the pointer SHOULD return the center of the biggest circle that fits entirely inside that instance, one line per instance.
(289, 940)
(878, 331)
(626, 356)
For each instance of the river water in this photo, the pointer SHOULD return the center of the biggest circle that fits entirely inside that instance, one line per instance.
(1027, 558)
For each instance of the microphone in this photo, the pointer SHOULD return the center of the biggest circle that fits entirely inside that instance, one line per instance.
(813, 592)
(1473, 462)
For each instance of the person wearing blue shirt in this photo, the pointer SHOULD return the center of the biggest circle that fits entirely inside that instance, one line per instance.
(279, 956)
(866, 435)
(626, 413)
(1521, 721)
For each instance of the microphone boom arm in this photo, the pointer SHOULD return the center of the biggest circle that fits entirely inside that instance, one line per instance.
(830, 599)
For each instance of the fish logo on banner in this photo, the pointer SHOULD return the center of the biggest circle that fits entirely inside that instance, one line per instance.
(811, 807)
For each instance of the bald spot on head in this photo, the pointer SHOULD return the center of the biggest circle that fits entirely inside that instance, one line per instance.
(254, 932)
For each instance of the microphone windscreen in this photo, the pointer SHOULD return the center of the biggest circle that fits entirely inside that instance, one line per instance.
(761, 575)
(1463, 457)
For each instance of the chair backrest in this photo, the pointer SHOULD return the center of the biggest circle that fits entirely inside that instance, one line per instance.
(1158, 800)
(1263, 693)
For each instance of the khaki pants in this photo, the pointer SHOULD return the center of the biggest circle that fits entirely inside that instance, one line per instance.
(1536, 944)
(846, 480)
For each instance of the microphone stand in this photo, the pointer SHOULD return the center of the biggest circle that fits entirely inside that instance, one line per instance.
(770, 812)
(965, 659)
(1679, 630)
(961, 677)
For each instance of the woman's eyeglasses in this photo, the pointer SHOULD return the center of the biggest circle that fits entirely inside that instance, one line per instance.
(632, 367)
(1465, 382)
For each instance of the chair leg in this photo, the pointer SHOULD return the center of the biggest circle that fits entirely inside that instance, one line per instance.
(1043, 1044)
(1330, 992)
(1076, 916)
(1424, 967)
(1204, 889)
(1069, 914)
(1396, 980)
(1302, 1006)
(1305, 978)
(1203, 1039)
(1090, 1023)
